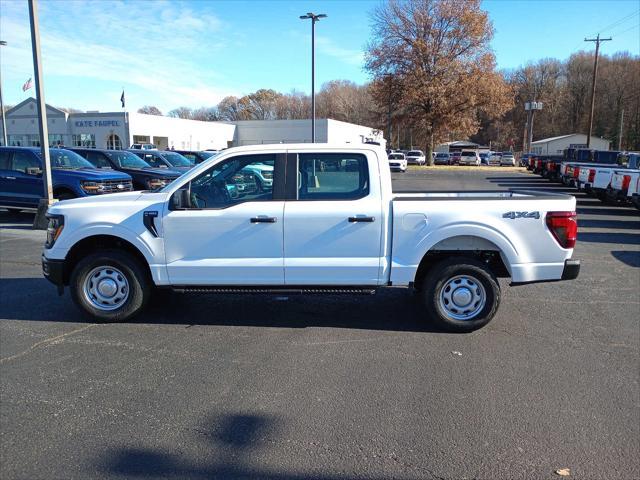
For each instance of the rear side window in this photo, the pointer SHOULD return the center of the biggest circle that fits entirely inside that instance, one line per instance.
(332, 176)
(5, 164)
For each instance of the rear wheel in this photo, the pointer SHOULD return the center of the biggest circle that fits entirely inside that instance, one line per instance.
(110, 285)
(461, 294)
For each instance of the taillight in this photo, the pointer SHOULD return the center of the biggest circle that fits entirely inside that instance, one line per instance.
(576, 172)
(539, 164)
(626, 180)
(592, 175)
(551, 167)
(564, 227)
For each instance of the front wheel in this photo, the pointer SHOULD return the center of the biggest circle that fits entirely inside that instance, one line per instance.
(461, 294)
(110, 285)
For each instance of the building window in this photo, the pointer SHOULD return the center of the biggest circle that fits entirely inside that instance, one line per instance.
(56, 140)
(84, 140)
(113, 142)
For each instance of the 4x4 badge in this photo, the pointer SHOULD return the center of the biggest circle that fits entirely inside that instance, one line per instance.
(514, 215)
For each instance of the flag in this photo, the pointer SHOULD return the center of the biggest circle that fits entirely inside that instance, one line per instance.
(122, 98)
(27, 85)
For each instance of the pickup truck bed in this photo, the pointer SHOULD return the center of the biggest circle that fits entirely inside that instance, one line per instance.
(326, 221)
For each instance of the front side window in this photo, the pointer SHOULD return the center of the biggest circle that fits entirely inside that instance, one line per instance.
(26, 162)
(246, 178)
(332, 176)
(98, 159)
(153, 160)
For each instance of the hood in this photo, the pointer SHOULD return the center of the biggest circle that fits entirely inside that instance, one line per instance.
(110, 198)
(94, 174)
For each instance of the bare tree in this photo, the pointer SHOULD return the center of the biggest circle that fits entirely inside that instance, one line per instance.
(181, 112)
(439, 52)
(150, 110)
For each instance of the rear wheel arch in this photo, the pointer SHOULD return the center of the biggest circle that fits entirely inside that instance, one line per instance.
(466, 246)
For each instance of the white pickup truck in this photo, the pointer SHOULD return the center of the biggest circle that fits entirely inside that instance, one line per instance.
(335, 229)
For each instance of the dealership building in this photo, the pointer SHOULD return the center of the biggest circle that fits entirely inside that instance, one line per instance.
(556, 145)
(119, 130)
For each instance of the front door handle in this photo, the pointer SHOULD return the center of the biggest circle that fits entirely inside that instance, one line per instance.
(10, 178)
(264, 220)
(362, 219)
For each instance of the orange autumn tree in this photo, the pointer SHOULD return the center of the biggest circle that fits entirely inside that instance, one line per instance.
(439, 56)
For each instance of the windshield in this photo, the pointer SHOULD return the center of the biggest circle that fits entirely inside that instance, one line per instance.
(396, 156)
(127, 160)
(442, 155)
(507, 154)
(66, 159)
(468, 154)
(415, 153)
(176, 160)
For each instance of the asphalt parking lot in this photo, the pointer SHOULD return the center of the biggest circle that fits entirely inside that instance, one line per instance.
(329, 387)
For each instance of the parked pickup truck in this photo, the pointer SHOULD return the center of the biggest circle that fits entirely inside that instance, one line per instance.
(334, 230)
(624, 183)
(22, 186)
(144, 176)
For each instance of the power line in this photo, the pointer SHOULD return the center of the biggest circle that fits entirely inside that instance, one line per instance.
(614, 24)
(628, 30)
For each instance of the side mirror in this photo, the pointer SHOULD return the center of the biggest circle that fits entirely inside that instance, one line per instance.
(180, 200)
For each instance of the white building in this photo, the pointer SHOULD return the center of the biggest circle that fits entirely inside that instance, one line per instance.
(114, 129)
(120, 130)
(556, 145)
(252, 132)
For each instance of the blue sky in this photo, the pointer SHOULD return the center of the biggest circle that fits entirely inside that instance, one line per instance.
(170, 53)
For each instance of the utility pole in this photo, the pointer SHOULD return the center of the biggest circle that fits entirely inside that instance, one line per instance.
(314, 18)
(593, 83)
(40, 221)
(620, 134)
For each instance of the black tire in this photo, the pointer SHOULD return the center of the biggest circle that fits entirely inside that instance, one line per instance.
(139, 283)
(437, 279)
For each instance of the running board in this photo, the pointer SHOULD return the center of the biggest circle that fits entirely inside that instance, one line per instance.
(328, 290)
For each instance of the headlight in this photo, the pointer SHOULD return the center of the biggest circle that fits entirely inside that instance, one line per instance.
(155, 183)
(92, 187)
(54, 229)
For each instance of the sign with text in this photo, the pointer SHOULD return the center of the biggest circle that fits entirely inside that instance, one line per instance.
(97, 123)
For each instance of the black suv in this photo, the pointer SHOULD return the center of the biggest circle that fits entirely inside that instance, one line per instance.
(144, 176)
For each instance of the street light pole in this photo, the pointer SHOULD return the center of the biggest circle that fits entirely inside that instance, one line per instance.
(314, 18)
(40, 221)
(4, 120)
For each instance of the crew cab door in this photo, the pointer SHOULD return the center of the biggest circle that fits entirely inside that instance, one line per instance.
(22, 182)
(227, 228)
(332, 219)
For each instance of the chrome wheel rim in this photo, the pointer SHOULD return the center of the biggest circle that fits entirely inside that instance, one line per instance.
(106, 288)
(462, 297)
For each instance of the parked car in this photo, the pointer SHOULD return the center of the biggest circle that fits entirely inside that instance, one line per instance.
(524, 159)
(455, 158)
(507, 160)
(494, 159)
(22, 186)
(442, 158)
(484, 158)
(143, 146)
(469, 157)
(415, 157)
(397, 162)
(145, 177)
(165, 159)
(191, 236)
(196, 157)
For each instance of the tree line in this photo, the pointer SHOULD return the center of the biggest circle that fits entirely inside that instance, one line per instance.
(434, 79)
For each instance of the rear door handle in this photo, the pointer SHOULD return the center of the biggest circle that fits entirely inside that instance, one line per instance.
(264, 220)
(362, 219)
(10, 178)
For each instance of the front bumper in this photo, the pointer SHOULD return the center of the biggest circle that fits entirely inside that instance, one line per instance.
(53, 270)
